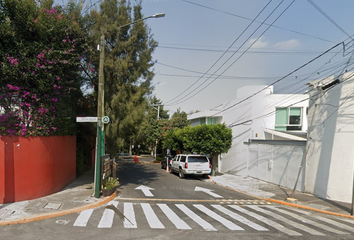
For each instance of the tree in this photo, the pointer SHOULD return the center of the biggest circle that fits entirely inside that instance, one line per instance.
(207, 139)
(127, 69)
(213, 139)
(153, 127)
(42, 54)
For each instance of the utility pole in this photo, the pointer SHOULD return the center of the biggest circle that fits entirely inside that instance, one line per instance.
(100, 133)
(100, 146)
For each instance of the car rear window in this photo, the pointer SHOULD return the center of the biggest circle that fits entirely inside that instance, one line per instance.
(197, 159)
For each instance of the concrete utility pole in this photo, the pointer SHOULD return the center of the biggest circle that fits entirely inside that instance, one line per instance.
(100, 148)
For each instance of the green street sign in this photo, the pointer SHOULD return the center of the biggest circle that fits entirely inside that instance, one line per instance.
(105, 119)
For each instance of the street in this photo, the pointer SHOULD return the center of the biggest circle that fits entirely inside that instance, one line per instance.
(154, 204)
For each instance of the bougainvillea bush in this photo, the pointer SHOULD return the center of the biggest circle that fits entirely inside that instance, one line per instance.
(44, 60)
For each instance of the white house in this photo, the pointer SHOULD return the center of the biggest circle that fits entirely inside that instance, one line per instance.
(264, 116)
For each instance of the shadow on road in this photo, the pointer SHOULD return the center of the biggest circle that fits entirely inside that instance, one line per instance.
(140, 174)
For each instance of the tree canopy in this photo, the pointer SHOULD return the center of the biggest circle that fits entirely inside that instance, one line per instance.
(42, 60)
(127, 68)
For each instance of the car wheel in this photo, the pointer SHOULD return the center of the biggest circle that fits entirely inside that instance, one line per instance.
(170, 169)
(181, 174)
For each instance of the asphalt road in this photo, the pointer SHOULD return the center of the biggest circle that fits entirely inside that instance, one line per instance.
(168, 186)
(154, 204)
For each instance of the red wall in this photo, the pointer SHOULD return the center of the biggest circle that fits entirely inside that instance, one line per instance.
(33, 167)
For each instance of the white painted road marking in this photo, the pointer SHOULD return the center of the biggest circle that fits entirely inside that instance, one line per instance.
(83, 218)
(240, 218)
(267, 221)
(151, 217)
(218, 218)
(129, 220)
(288, 221)
(177, 221)
(320, 225)
(145, 190)
(204, 224)
(208, 191)
(107, 217)
(203, 213)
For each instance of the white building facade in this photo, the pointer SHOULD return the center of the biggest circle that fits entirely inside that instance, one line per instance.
(330, 157)
(263, 116)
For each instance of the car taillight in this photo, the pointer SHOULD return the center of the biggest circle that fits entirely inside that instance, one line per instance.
(209, 165)
(186, 165)
(169, 161)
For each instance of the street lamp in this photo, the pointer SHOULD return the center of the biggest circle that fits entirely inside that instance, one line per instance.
(100, 148)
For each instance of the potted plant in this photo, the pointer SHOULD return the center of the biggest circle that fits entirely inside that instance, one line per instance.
(110, 186)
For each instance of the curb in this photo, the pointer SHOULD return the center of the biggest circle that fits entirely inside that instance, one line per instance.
(309, 208)
(286, 203)
(43, 216)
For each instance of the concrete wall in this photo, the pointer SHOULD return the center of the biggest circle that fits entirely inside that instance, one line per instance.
(329, 170)
(35, 166)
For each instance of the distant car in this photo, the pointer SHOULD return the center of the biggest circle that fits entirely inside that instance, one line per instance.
(190, 164)
(166, 160)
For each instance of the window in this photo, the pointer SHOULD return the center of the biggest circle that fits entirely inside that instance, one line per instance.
(212, 120)
(288, 119)
(183, 159)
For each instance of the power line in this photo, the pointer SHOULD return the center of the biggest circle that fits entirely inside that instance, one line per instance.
(297, 69)
(326, 16)
(253, 51)
(224, 51)
(239, 16)
(239, 48)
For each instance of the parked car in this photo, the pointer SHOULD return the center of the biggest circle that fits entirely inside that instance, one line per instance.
(166, 160)
(190, 164)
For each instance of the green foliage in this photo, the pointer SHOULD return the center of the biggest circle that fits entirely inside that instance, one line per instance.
(127, 69)
(42, 64)
(209, 139)
(111, 183)
(204, 138)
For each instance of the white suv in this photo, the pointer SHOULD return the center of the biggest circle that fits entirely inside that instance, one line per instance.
(190, 164)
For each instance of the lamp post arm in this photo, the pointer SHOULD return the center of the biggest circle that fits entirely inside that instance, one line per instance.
(157, 15)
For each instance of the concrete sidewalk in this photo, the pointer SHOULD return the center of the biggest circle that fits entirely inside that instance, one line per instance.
(280, 195)
(78, 196)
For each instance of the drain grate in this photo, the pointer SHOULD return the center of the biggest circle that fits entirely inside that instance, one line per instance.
(53, 206)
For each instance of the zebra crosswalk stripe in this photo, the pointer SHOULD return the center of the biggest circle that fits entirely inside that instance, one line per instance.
(322, 226)
(107, 217)
(151, 217)
(204, 224)
(240, 218)
(267, 221)
(129, 216)
(230, 225)
(288, 221)
(83, 218)
(177, 221)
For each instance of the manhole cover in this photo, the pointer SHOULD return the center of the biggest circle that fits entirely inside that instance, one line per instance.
(52, 206)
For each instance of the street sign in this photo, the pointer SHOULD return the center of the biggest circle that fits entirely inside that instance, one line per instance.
(86, 119)
(105, 119)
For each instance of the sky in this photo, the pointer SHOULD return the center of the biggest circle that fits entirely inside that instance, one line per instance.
(210, 48)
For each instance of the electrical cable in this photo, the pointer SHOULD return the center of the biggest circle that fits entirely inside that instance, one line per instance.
(180, 101)
(223, 53)
(326, 16)
(297, 69)
(235, 15)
